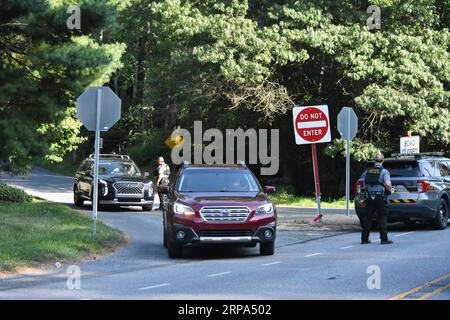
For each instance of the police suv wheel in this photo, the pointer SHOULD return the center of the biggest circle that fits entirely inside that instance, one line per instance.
(441, 220)
(165, 238)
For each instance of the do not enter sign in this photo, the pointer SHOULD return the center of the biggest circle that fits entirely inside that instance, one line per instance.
(311, 124)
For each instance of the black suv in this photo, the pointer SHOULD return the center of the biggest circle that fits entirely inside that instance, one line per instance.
(120, 183)
(421, 189)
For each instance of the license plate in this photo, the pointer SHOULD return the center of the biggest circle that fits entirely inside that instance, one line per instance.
(399, 189)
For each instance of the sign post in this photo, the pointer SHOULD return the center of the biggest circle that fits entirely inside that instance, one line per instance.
(98, 108)
(316, 178)
(347, 124)
(312, 126)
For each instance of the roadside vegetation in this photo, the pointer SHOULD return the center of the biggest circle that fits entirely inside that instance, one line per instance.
(232, 64)
(11, 194)
(66, 167)
(35, 232)
(288, 199)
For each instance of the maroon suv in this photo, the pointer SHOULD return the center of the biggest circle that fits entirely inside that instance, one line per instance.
(218, 204)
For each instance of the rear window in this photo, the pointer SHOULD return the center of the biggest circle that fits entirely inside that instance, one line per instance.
(403, 168)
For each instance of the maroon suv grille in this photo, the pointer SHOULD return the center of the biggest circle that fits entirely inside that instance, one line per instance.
(225, 233)
(225, 214)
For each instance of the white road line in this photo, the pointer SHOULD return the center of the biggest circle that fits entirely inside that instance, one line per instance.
(376, 240)
(312, 254)
(271, 263)
(346, 247)
(403, 234)
(218, 274)
(155, 286)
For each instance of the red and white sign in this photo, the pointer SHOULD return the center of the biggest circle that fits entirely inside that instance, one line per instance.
(311, 124)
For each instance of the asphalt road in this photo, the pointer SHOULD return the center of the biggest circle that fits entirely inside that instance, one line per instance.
(307, 265)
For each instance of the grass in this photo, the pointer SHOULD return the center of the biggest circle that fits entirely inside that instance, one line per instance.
(287, 199)
(66, 167)
(40, 232)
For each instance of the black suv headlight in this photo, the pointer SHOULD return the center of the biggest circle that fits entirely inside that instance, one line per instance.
(265, 209)
(104, 185)
(149, 186)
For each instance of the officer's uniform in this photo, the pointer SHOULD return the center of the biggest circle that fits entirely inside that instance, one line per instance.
(374, 181)
(164, 170)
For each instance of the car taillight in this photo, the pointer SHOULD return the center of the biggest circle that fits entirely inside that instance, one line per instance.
(358, 186)
(422, 186)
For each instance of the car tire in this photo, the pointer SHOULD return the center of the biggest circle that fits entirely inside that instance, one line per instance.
(441, 220)
(174, 250)
(105, 207)
(267, 248)
(147, 208)
(165, 238)
(77, 200)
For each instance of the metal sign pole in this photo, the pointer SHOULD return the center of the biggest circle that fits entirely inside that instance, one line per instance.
(316, 178)
(96, 159)
(347, 165)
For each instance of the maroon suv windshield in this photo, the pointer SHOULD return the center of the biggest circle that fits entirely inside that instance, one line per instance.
(216, 180)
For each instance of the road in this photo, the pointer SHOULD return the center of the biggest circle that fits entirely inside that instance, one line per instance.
(306, 265)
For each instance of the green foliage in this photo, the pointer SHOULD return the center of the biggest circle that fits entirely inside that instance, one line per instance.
(12, 194)
(44, 66)
(360, 151)
(230, 64)
(246, 63)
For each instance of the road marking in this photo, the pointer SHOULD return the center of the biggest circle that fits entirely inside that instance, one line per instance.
(271, 263)
(155, 286)
(433, 293)
(423, 286)
(346, 247)
(312, 254)
(218, 274)
(403, 234)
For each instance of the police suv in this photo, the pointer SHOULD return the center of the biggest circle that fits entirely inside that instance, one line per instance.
(420, 189)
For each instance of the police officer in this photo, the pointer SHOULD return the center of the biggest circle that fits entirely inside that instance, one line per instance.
(377, 183)
(162, 173)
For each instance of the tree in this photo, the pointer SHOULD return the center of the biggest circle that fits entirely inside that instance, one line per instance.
(44, 66)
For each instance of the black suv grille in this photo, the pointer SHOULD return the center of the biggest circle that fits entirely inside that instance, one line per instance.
(129, 187)
(225, 214)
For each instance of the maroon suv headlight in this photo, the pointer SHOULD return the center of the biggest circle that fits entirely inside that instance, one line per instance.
(182, 210)
(265, 209)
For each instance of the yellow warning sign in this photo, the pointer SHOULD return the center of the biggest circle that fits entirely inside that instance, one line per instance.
(172, 142)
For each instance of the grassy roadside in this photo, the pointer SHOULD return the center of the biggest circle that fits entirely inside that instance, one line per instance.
(66, 168)
(40, 232)
(287, 199)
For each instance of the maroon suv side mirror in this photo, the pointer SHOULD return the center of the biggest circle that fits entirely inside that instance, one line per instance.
(269, 189)
(164, 189)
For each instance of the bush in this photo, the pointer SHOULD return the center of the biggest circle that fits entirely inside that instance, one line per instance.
(11, 194)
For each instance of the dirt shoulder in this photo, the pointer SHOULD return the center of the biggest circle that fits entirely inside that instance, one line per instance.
(301, 219)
